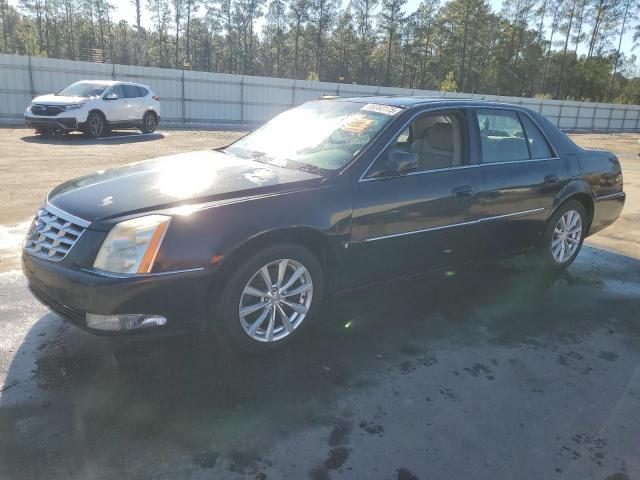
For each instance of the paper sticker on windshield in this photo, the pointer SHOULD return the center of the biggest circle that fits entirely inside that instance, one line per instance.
(357, 123)
(378, 108)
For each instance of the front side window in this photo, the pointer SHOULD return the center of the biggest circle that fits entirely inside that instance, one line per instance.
(131, 91)
(117, 90)
(501, 136)
(322, 135)
(436, 138)
(83, 89)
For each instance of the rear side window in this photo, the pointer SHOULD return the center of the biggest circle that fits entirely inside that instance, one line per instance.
(131, 91)
(537, 143)
(501, 136)
(143, 91)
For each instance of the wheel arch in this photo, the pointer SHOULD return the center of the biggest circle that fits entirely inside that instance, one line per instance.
(96, 110)
(315, 241)
(581, 192)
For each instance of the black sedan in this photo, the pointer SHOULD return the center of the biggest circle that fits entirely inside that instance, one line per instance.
(336, 194)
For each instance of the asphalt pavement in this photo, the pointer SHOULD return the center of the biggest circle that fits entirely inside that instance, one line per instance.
(496, 371)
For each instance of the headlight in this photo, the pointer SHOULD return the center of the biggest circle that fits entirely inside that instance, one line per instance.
(132, 245)
(73, 106)
(29, 106)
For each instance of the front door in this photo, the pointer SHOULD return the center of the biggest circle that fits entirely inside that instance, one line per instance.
(115, 104)
(523, 176)
(422, 220)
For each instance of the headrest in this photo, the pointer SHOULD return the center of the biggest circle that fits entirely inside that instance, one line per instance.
(440, 137)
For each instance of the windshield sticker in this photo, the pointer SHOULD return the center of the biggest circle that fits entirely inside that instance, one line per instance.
(357, 123)
(384, 109)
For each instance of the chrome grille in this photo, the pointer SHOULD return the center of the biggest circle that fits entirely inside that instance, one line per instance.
(46, 110)
(53, 233)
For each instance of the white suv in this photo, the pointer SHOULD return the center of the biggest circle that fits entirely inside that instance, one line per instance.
(94, 107)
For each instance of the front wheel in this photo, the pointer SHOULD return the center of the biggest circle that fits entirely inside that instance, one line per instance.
(96, 125)
(271, 297)
(563, 236)
(149, 122)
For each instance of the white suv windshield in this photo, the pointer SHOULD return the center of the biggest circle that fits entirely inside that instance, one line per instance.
(83, 89)
(323, 135)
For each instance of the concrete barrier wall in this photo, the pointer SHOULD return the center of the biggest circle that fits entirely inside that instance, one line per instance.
(203, 99)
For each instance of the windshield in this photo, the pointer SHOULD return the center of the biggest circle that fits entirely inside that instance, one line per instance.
(323, 135)
(83, 89)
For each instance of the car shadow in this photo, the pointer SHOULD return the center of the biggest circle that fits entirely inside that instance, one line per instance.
(81, 393)
(76, 138)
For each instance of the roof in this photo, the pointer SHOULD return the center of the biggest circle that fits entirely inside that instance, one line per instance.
(111, 82)
(409, 102)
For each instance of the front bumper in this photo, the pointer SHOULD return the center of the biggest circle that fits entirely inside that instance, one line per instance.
(65, 124)
(180, 297)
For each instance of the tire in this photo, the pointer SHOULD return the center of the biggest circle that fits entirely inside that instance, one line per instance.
(96, 125)
(559, 246)
(149, 122)
(270, 334)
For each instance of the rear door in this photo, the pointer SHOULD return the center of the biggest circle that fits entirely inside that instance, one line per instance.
(134, 103)
(522, 174)
(422, 220)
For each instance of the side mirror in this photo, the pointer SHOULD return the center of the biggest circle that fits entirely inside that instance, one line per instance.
(400, 162)
(111, 96)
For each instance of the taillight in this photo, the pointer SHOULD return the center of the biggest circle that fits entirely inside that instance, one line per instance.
(156, 98)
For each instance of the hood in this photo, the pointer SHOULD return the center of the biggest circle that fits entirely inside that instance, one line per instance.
(189, 178)
(56, 99)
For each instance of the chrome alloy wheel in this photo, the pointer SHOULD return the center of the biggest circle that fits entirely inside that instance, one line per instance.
(275, 300)
(96, 125)
(566, 236)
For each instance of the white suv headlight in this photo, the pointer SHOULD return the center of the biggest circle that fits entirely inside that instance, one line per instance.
(131, 246)
(73, 106)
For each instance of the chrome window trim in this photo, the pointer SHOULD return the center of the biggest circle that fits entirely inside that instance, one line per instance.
(497, 107)
(461, 224)
(449, 108)
(67, 216)
(461, 167)
(609, 197)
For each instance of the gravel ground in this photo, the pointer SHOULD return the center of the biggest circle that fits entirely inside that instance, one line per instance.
(31, 165)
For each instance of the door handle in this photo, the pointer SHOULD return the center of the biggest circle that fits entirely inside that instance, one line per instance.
(551, 179)
(463, 191)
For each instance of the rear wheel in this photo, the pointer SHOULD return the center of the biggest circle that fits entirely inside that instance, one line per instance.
(149, 122)
(271, 297)
(96, 125)
(563, 236)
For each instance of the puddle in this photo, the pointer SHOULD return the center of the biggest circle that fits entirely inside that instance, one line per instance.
(12, 236)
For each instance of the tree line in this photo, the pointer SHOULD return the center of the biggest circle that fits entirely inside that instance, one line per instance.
(567, 49)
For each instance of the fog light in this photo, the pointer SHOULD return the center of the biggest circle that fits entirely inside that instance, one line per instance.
(129, 321)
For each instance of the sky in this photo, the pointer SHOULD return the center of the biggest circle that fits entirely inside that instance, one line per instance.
(124, 10)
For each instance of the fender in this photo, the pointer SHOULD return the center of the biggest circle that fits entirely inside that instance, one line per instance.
(580, 189)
